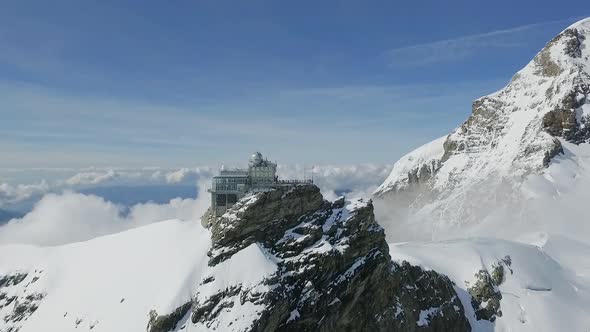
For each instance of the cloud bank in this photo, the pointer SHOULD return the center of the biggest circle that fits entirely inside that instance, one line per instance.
(61, 217)
(85, 178)
(10, 194)
(70, 217)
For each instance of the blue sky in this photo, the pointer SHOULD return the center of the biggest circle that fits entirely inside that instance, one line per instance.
(153, 83)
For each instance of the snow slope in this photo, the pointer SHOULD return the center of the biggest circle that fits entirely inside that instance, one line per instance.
(493, 159)
(513, 180)
(109, 283)
(414, 167)
(539, 293)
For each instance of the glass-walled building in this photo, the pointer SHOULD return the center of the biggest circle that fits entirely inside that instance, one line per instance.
(231, 185)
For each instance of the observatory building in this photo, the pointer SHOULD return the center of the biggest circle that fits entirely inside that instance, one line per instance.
(231, 185)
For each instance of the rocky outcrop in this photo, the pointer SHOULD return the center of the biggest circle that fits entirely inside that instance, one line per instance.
(485, 295)
(164, 323)
(569, 120)
(313, 265)
(261, 218)
(16, 307)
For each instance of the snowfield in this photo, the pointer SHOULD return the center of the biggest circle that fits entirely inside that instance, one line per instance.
(110, 283)
(540, 292)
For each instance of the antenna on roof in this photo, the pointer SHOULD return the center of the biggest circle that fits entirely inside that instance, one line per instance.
(303, 172)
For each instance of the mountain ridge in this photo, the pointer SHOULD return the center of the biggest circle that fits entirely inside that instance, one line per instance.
(511, 134)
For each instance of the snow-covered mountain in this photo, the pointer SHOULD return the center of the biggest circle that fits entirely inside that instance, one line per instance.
(289, 260)
(517, 169)
(539, 283)
(106, 284)
(528, 139)
(283, 259)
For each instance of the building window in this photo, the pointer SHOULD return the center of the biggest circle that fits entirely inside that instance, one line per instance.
(220, 199)
(232, 199)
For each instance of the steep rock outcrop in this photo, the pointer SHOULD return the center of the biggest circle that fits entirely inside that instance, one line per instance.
(16, 304)
(288, 260)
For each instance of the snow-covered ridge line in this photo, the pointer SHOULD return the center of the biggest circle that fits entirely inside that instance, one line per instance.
(414, 168)
(510, 135)
(535, 292)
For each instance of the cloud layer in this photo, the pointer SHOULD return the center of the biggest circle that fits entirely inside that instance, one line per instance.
(61, 217)
(70, 217)
(455, 49)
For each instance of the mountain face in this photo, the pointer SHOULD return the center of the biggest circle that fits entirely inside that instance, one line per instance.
(511, 134)
(287, 260)
(279, 260)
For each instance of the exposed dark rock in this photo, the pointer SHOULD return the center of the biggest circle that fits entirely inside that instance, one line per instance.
(478, 130)
(566, 121)
(334, 272)
(485, 295)
(560, 123)
(263, 218)
(423, 173)
(572, 40)
(17, 308)
(23, 307)
(550, 154)
(12, 280)
(165, 323)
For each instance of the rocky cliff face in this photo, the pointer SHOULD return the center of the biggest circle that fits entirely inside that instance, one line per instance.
(288, 260)
(15, 305)
(510, 134)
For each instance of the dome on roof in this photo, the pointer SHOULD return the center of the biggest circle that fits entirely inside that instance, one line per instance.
(256, 158)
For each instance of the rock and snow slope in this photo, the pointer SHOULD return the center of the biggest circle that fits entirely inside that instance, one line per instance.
(518, 169)
(538, 120)
(283, 259)
(110, 283)
(328, 269)
(293, 261)
(534, 291)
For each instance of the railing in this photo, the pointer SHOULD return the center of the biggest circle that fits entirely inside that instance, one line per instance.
(294, 181)
(255, 185)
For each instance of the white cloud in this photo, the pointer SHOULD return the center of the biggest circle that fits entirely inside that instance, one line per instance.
(354, 180)
(459, 48)
(58, 179)
(15, 193)
(71, 217)
(85, 178)
(186, 175)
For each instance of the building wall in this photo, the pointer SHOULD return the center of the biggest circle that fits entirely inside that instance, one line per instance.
(231, 185)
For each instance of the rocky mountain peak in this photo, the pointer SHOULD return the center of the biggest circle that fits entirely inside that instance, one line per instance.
(286, 259)
(510, 134)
